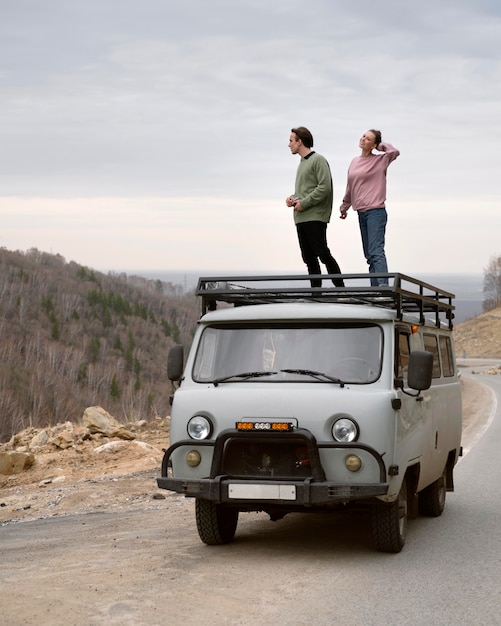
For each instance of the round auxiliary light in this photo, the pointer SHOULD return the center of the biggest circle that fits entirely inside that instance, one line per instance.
(199, 427)
(193, 458)
(353, 463)
(345, 430)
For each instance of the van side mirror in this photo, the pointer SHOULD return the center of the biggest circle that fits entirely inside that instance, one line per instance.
(420, 370)
(175, 363)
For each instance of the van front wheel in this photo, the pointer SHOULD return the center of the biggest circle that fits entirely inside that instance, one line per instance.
(389, 523)
(216, 523)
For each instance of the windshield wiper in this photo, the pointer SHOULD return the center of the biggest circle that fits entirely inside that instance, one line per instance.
(314, 374)
(243, 376)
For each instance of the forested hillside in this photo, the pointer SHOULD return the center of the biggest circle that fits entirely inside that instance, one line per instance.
(72, 337)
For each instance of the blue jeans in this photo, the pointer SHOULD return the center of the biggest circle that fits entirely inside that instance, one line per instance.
(373, 228)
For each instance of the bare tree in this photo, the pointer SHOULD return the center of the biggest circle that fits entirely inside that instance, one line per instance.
(492, 284)
(107, 327)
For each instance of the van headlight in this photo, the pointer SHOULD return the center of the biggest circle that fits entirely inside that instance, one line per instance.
(345, 430)
(199, 427)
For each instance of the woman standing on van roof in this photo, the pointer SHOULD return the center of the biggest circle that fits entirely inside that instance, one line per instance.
(366, 194)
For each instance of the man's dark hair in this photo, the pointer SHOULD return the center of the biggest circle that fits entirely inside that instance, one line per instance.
(304, 134)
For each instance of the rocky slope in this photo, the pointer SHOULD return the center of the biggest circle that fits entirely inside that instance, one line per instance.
(479, 336)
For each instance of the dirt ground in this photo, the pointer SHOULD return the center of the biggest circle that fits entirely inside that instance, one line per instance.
(79, 480)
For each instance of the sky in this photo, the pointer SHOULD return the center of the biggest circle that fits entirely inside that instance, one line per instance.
(153, 134)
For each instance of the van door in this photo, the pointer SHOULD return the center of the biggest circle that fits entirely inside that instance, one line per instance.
(413, 412)
(439, 439)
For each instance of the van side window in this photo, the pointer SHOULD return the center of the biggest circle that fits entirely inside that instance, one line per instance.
(446, 354)
(402, 356)
(431, 345)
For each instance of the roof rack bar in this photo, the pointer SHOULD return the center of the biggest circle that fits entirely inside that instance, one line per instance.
(401, 293)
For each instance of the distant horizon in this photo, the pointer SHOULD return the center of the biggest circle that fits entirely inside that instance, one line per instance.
(467, 288)
(274, 273)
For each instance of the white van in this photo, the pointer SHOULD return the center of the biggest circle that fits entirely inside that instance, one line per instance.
(296, 398)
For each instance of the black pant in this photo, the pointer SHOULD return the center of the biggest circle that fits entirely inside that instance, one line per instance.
(313, 243)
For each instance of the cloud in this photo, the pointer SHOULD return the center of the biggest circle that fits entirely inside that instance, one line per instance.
(133, 106)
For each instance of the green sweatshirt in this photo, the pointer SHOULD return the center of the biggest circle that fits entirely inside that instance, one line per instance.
(314, 189)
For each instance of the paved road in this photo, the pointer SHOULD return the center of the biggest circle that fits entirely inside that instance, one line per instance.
(149, 568)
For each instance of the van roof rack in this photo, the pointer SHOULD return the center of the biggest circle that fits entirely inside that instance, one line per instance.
(402, 293)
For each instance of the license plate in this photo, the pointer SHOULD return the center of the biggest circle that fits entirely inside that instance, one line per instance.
(249, 491)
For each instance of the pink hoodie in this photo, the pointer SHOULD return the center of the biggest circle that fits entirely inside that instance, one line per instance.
(366, 187)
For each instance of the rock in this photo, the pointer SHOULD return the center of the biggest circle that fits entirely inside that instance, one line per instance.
(118, 446)
(147, 447)
(97, 420)
(111, 447)
(15, 462)
(21, 439)
(63, 440)
(40, 440)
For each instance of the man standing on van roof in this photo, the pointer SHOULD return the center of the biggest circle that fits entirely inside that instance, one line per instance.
(312, 203)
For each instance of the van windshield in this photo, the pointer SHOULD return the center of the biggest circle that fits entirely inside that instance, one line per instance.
(323, 353)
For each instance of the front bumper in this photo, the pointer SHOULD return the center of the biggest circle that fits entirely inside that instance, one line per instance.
(307, 493)
(311, 490)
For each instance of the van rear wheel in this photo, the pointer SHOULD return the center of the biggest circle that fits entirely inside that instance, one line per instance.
(432, 498)
(389, 523)
(216, 523)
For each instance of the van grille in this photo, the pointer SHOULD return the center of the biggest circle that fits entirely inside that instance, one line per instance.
(266, 459)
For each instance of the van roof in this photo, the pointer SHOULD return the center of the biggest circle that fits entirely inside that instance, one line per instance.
(402, 295)
(300, 312)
